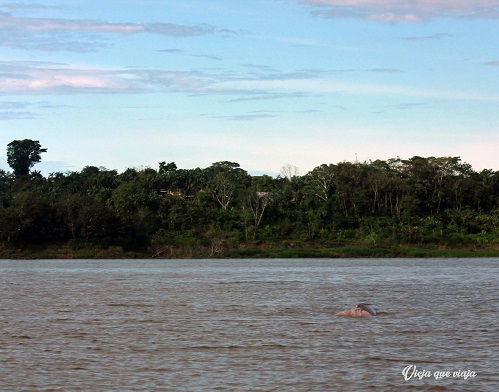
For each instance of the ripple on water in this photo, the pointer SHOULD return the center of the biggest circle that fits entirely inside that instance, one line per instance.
(253, 325)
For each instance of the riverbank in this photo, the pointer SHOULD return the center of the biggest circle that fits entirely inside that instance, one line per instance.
(255, 250)
(364, 252)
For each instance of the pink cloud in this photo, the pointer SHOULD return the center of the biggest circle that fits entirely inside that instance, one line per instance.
(403, 10)
(51, 78)
(40, 77)
(50, 24)
(47, 25)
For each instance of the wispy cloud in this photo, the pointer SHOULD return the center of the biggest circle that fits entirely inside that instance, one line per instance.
(10, 110)
(25, 6)
(82, 35)
(207, 56)
(249, 117)
(252, 116)
(259, 95)
(16, 115)
(493, 63)
(25, 77)
(402, 106)
(331, 87)
(36, 25)
(435, 36)
(403, 10)
(18, 110)
(385, 70)
(170, 51)
(198, 55)
(40, 77)
(177, 30)
(12, 105)
(31, 77)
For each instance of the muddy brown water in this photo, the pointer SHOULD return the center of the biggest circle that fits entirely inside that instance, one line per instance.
(248, 325)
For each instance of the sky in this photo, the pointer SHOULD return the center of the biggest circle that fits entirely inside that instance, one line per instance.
(265, 83)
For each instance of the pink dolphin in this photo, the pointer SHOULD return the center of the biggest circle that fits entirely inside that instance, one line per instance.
(361, 310)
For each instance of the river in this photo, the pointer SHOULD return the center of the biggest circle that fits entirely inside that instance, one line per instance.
(248, 325)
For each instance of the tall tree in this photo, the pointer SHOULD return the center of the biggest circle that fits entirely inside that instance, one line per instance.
(23, 154)
(226, 177)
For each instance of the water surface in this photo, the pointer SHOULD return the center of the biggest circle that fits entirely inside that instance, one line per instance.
(247, 325)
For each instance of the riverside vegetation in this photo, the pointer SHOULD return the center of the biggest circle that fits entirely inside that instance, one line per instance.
(422, 206)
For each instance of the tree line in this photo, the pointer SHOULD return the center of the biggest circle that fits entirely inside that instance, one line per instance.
(421, 200)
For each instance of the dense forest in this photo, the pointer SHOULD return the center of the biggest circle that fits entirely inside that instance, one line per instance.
(222, 210)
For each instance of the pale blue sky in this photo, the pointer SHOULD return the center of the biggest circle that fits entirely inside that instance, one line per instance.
(130, 83)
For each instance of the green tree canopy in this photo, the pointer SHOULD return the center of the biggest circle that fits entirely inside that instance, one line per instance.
(23, 154)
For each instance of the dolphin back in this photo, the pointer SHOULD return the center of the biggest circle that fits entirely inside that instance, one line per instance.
(367, 308)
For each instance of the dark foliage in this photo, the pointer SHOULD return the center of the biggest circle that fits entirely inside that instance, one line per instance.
(381, 203)
(23, 154)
